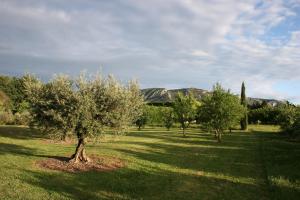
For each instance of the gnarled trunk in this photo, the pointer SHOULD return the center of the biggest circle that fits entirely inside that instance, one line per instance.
(80, 155)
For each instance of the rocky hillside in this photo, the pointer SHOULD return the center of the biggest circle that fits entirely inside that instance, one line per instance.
(164, 96)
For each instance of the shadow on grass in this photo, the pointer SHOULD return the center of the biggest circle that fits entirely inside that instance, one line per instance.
(195, 137)
(137, 184)
(240, 155)
(16, 132)
(281, 160)
(215, 159)
(14, 149)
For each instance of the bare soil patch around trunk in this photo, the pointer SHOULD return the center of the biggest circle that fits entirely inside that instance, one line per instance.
(96, 163)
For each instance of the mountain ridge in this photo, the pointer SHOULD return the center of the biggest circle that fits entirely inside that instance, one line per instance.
(167, 96)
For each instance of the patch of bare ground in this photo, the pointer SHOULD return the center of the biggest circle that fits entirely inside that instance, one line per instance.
(97, 163)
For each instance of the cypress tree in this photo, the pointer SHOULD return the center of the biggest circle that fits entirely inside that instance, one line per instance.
(244, 121)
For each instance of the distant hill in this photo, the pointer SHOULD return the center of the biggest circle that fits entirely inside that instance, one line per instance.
(164, 96)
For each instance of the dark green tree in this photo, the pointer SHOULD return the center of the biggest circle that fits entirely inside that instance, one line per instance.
(13, 87)
(168, 117)
(220, 110)
(185, 109)
(244, 121)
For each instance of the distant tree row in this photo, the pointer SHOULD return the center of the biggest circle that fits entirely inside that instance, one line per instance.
(53, 106)
(216, 112)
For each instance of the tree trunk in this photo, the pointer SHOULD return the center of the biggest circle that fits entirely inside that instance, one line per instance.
(80, 155)
(219, 136)
(183, 129)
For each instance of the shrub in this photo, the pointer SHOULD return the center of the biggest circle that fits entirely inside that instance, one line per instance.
(22, 118)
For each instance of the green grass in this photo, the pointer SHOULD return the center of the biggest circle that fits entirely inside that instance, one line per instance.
(259, 164)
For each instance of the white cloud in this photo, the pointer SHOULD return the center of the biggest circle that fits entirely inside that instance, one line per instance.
(171, 42)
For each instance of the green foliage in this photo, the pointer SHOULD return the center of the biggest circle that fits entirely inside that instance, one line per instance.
(270, 115)
(289, 119)
(52, 105)
(6, 115)
(168, 116)
(220, 111)
(84, 107)
(143, 118)
(244, 121)
(294, 131)
(13, 87)
(4, 102)
(23, 118)
(154, 115)
(185, 109)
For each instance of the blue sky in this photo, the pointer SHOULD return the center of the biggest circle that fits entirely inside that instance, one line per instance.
(170, 43)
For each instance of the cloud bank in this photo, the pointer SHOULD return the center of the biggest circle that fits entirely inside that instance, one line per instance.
(170, 43)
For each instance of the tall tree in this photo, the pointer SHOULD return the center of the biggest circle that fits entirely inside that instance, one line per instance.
(220, 111)
(83, 107)
(244, 120)
(185, 109)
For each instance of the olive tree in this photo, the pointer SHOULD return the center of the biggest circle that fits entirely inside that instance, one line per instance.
(220, 110)
(185, 109)
(83, 106)
(52, 105)
(168, 117)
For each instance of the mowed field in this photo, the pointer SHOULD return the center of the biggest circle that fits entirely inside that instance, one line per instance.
(160, 164)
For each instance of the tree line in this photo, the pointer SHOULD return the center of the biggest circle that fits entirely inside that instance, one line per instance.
(88, 106)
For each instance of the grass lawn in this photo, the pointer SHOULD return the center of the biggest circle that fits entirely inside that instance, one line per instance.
(160, 164)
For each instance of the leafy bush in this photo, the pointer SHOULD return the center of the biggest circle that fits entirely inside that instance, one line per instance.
(23, 118)
(13, 87)
(264, 115)
(289, 119)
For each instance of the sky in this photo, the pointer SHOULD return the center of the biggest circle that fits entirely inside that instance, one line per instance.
(162, 43)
